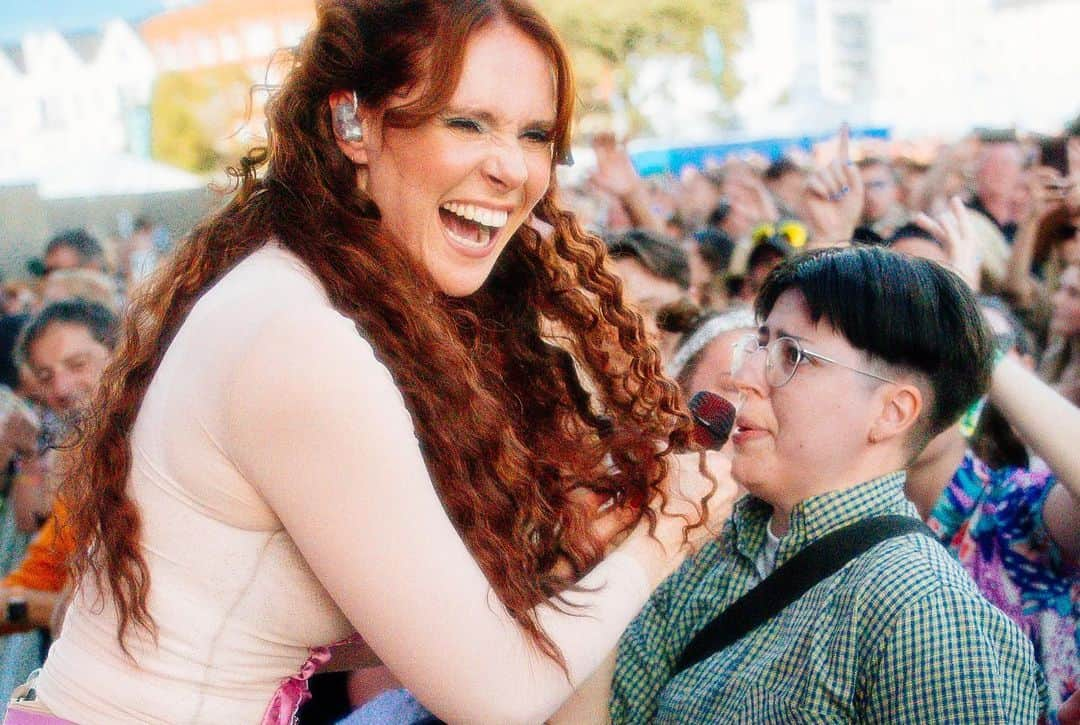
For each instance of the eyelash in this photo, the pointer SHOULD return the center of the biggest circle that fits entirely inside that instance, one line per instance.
(541, 137)
(467, 124)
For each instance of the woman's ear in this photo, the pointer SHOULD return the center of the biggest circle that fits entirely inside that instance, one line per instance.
(901, 406)
(349, 127)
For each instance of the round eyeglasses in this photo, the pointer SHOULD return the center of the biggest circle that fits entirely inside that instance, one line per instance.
(782, 359)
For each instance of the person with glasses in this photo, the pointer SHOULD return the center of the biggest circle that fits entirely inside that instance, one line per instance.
(861, 357)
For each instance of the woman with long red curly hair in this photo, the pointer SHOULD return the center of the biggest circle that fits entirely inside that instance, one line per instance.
(339, 408)
(335, 411)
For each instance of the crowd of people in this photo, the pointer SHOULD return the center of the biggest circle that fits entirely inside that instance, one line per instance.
(999, 487)
(214, 486)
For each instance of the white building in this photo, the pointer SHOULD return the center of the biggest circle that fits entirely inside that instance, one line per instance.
(918, 66)
(73, 96)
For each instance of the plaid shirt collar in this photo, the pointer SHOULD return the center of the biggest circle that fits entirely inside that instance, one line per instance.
(815, 517)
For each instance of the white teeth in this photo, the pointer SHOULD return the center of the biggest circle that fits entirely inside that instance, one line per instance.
(494, 218)
(483, 238)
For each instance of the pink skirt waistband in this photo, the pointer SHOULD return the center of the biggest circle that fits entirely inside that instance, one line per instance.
(18, 716)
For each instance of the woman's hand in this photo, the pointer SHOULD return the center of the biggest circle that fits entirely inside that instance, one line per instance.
(833, 200)
(687, 485)
(698, 495)
(615, 175)
(700, 490)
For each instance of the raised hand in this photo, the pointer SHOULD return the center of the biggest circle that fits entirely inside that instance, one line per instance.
(952, 227)
(747, 193)
(833, 200)
(614, 173)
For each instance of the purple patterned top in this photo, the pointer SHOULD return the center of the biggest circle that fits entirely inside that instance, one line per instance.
(992, 521)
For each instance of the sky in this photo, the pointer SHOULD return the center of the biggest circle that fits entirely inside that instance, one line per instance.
(19, 16)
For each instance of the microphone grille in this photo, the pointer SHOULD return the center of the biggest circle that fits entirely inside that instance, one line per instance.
(714, 417)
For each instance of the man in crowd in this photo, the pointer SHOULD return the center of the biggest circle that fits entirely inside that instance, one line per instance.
(66, 347)
(882, 211)
(998, 178)
(74, 249)
(786, 181)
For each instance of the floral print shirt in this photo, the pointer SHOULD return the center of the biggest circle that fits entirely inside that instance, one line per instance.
(992, 520)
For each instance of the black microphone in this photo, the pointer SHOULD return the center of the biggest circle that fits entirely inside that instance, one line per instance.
(714, 417)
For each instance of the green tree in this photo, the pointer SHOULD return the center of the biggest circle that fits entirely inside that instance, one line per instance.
(195, 116)
(606, 36)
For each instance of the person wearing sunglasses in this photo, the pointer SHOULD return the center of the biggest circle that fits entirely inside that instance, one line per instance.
(861, 357)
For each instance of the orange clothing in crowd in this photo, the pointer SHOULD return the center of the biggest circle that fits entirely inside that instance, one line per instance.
(45, 565)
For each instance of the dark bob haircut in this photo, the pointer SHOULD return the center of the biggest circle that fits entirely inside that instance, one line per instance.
(95, 317)
(911, 313)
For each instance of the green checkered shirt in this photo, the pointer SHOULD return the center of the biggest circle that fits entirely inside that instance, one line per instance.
(899, 635)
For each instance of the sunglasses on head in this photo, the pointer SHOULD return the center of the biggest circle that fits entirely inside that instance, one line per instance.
(792, 231)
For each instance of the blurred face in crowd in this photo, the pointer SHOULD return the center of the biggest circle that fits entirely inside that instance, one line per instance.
(882, 193)
(698, 196)
(789, 188)
(700, 273)
(648, 292)
(456, 188)
(910, 183)
(713, 369)
(757, 272)
(1000, 171)
(919, 247)
(1065, 320)
(62, 257)
(67, 362)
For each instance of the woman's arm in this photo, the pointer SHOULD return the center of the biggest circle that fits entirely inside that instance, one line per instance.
(318, 426)
(589, 703)
(1050, 424)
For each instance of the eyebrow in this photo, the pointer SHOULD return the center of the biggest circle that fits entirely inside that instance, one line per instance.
(494, 119)
(780, 332)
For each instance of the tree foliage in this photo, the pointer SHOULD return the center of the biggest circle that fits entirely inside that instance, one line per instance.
(195, 115)
(606, 36)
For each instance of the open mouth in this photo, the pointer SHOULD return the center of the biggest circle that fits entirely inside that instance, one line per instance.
(745, 430)
(471, 226)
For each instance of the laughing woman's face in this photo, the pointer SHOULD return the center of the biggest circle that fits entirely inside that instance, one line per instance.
(456, 188)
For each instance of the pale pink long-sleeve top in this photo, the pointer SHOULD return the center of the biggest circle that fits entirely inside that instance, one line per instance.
(285, 504)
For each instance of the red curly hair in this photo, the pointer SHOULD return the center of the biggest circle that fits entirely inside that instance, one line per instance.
(527, 431)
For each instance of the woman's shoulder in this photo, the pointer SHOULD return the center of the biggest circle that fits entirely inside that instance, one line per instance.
(270, 294)
(269, 278)
(269, 318)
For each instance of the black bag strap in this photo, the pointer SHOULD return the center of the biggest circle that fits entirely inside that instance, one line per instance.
(795, 577)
